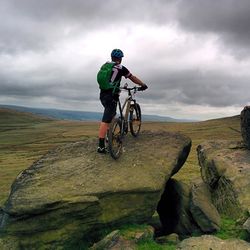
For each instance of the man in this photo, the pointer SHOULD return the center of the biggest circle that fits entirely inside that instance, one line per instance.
(109, 97)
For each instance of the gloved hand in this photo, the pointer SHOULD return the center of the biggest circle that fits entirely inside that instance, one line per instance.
(143, 87)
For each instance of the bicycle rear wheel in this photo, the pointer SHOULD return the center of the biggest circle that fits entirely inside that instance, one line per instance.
(135, 119)
(115, 138)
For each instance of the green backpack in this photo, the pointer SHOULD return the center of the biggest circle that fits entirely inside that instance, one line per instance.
(104, 75)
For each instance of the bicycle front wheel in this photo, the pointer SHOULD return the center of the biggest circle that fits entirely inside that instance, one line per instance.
(135, 119)
(115, 138)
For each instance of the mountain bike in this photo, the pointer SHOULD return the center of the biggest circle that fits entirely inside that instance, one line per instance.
(129, 118)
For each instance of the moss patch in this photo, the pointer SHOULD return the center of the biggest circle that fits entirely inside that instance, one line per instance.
(231, 228)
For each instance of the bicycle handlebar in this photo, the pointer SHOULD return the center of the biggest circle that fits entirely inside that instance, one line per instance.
(133, 88)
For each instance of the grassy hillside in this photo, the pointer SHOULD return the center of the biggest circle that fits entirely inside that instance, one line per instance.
(224, 128)
(10, 117)
(24, 138)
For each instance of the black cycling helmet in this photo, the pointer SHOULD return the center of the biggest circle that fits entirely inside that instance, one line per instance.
(117, 53)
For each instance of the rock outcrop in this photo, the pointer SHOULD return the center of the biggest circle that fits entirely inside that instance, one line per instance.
(116, 240)
(246, 225)
(187, 209)
(107, 242)
(73, 192)
(225, 168)
(203, 211)
(208, 242)
(245, 125)
(174, 209)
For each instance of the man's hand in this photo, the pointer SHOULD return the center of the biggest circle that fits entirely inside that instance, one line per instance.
(143, 87)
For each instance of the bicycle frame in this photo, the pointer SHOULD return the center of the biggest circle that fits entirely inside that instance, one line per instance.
(130, 112)
(126, 104)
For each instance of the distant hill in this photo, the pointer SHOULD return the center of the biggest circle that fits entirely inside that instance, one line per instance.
(83, 115)
(12, 116)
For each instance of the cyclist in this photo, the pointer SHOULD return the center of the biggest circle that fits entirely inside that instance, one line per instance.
(110, 97)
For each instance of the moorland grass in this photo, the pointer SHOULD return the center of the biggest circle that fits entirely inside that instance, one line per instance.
(218, 129)
(152, 245)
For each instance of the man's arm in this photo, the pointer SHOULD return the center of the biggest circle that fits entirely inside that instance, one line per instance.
(136, 80)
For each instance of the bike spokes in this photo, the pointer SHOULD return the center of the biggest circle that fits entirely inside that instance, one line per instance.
(135, 119)
(115, 138)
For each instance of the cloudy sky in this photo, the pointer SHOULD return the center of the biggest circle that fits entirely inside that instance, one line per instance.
(194, 55)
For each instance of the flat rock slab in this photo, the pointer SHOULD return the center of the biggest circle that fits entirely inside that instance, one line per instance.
(225, 167)
(209, 242)
(72, 190)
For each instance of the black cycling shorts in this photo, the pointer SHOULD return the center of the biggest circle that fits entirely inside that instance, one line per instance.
(109, 103)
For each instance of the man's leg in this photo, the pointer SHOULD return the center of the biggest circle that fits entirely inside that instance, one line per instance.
(109, 112)
(102, 133)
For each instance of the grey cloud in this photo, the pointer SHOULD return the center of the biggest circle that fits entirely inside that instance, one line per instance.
(67, 92)
(193, 87)
(91, 11)
(38, 25)
(187, 86)
(228, 19)
(35, 25)
(48, 81)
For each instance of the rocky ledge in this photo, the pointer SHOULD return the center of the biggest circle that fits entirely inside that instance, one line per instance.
(73, 192)
(225, 168)
(225, 171)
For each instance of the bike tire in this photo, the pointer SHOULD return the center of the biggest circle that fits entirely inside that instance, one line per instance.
(115, 138)
(135, 119)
